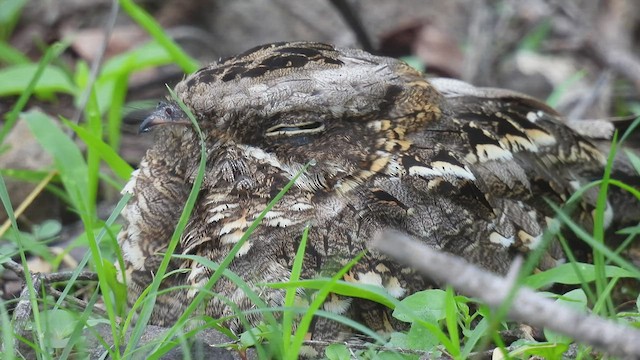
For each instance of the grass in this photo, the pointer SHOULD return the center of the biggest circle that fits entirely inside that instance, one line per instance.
(439, 321)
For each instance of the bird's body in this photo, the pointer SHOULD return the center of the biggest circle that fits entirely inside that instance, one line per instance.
(463, 169)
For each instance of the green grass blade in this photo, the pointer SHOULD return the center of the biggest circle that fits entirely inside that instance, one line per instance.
(599, 228)
(119, 166)
(290, 295)
(67, 157)
(305, 322)
(37, 320)
(114, 114)
(341, 287)
(16, 79)
(12, 56)
(52, 52)
(73, 173)
(573, 274)
(451, 319)
(225, 263)
(241, 284)
(8, 352)
(187, 63)
(587, 238)
(9, 16)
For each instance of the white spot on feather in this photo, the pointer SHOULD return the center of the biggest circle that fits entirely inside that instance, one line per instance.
(499, 239)
(244, 249)
(301, 207)
(128, 188)
(518, 143)
(370, 278)
(529, 240)
(394, 288)
(240, 223)
(232, 238)
(540, 137)
(217, 217)
(446, 168)
(223, 207)
(131, 251)
(424, 172)
(195, 289)
(337, 305)
(486, 152)
(197, 270)
(279, 222)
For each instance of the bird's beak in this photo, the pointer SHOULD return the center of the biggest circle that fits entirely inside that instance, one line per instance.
(151, 121)
(165, 113)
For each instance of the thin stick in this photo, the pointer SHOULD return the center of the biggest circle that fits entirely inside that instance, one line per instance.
(528, 306)
(28, 200)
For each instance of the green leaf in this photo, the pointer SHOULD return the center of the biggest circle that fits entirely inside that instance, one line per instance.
(119, 166)
(417, 338)
(6, 335)
(150, 54)
(47, 230)
(9, 16)
(337, 352)
(156, 31)
(575, 299)
(474, 336)
(10, 118)
(565, 274)
(10, 55)
(539, 350)
(15, 79)
(631, 230)
(119, 289)
(428, 305)
(25, 175)
(634, 159)
(251, 337)
(66, 155)
(394, 355)
(59, 324)
(451, 318)
(30, 244)
(364, 291)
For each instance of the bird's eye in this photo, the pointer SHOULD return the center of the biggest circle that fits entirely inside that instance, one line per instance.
(305, 128)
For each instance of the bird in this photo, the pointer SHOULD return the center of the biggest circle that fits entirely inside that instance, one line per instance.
(466, 170)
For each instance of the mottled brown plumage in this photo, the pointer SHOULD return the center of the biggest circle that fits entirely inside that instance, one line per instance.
(464, 169)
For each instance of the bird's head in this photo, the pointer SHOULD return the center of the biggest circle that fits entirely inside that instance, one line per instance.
(290, 103)
(287, 96)
(166, 113)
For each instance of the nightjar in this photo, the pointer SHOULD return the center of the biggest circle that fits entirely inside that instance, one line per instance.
(465, 169)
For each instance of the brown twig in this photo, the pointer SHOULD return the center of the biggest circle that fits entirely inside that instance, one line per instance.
(24, 308)
(528, 306)
(14, 266)
(29, 200)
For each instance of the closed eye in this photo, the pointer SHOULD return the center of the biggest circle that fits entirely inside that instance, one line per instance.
(310, 127)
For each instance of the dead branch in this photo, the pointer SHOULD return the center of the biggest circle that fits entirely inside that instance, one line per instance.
(528, 306)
